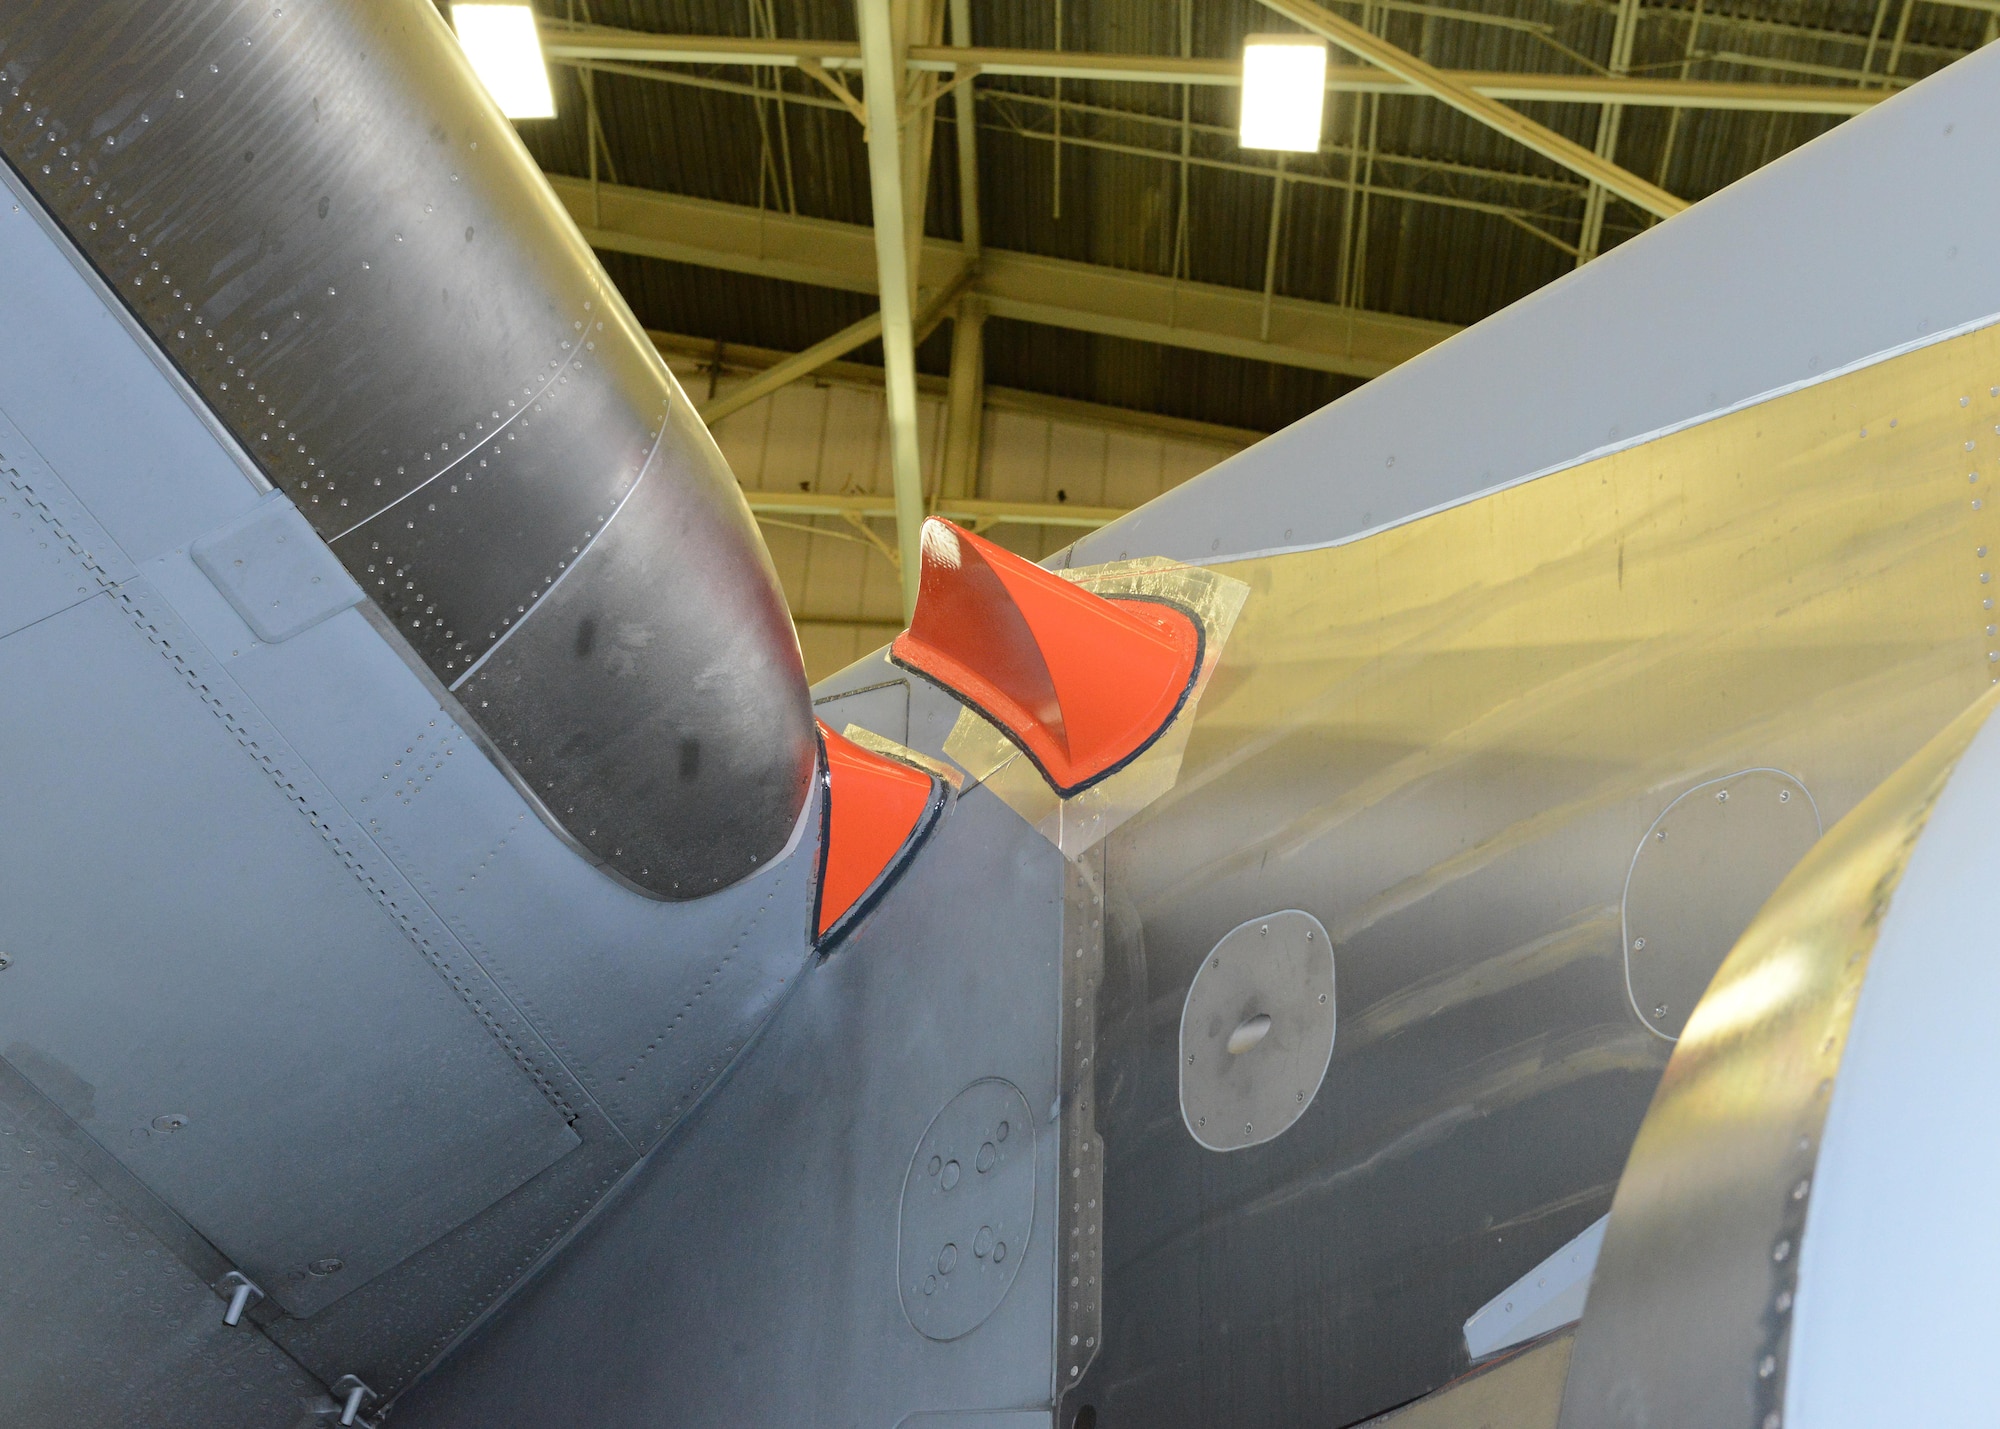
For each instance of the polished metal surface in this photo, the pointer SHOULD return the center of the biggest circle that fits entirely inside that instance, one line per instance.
(1689, 1319)
(1899, 1262)
(1698, 876)
(1445, 742)
(319, 215)
(1257, 1031)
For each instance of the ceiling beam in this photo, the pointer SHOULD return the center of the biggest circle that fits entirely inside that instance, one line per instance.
(687, 354)
(795, 367)
(965, 421)
(896, 281)
(585, 43)
(1552, 146)
(829, 350)
(966, 511)
(1082, 297)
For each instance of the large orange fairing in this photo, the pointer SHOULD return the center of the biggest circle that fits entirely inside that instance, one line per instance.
(1080, 682)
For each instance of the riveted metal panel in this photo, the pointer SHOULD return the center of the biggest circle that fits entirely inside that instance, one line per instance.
(643, 1003)
(197, 969)
(274, 569)
(1898, 1263)
(1691, 1312)
(1257, 1031)
(1546, 1298)
(1698, 876)
(339, 710)
(749, 1274)
(322, 220)
(156, 476)
(88, 1269)
(1445, 743)
(52, 554)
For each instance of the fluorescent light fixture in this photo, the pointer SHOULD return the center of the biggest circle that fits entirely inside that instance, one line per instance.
(1284, 92)
(506, 54)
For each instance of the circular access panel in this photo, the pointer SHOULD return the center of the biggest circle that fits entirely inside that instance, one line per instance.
(1257, 1031)
(968, 1209)
(1698, 877)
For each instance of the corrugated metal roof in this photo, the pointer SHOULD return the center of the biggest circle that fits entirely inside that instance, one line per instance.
(1455, 221)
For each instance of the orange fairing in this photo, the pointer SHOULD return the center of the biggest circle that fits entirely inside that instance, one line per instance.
(876, 807)
(1080, 682)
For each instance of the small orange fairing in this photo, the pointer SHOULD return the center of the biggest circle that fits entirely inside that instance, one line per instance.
(876, 806)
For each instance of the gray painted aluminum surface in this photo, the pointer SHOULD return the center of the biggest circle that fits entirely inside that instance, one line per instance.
(967, 1212)
(275, 572)
(1480, 1099)
(607, 1013)
(93, 1271)
(749, 1273)
(320, 217)
(1876, 234)
(205, 1038)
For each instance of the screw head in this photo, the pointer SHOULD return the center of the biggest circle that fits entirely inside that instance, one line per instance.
(170, 1121)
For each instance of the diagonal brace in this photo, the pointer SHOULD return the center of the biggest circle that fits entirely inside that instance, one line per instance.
(1490, 112)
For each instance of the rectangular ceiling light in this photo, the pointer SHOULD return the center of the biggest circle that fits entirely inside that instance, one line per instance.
(1284, 92)
(506, 53)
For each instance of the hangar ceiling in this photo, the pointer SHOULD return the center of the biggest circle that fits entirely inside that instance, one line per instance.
(1081, 225)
